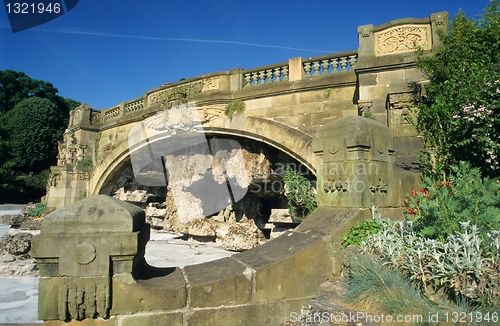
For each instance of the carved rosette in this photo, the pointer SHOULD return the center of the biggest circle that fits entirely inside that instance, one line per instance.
(404, 38)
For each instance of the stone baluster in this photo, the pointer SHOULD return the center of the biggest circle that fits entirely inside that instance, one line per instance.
(343, 64)
(255, 78)
(269, 75)
(285, 72)
(277, 74)
(325, 65)
(316, 66)
(335, 65)
(352, 60)
(262, 76)
(307, 69)
(248, 79)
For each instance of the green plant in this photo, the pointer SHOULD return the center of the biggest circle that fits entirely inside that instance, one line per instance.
(459, 264)
(368, 114)
(359, 232)
(327, 92)
(375, 287)
(300, 193)
(438, 209)
(234, 107)
(459, 118)
(85, 163)
(37, 211)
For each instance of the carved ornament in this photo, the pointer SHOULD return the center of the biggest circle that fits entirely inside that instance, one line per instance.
(400, 39)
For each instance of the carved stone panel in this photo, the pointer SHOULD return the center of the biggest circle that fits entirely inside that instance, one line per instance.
(404, 38)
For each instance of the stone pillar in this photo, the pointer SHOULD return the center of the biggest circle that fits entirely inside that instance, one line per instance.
(366, 41)
(80, 249)
(295, 69)
(236, 81)
(439, 23)
(356, 166)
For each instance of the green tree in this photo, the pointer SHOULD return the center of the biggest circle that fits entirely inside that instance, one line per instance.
(460, 115)
(7, 180)
(35, 125)
(17, 86)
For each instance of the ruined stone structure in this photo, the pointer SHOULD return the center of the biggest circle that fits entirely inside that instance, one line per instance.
(314, 110)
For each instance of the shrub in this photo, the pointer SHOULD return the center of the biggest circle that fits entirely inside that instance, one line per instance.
(360, 232)
(375, 287)
(458, 265)
(300, 193)
(234, 107)
(441, 206)
(38, 210)
(459, 117)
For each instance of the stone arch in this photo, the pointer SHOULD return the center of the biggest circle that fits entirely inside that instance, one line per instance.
(287, 139)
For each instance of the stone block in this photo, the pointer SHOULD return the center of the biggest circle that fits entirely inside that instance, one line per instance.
(292, 265)
(304, 108)
(158, 318)
(163, 289)
(269, 313)
(274, 112)
(296, 71)
(221, 282)
(370, 79)
(332, 223)
(286, 100)
(394, 213)
(48, 287)
(379, 91)
(313, 96)
(296, 121)
(366, 41)
(346, 92)
(339, 105)
(379, 106)
(321, 118)
(364, 93)
(72, 237)
(295, 306)
(260, 103)
(387, 77)
(414, 74)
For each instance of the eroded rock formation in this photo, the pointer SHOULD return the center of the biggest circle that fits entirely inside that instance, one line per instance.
(222, 190)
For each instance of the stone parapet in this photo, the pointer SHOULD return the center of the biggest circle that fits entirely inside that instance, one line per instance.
(93, 271)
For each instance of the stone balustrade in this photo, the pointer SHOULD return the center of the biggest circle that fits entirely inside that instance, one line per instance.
(112, 114)
(265, 75)
(134, 105)
(280, 72)
(330, 64)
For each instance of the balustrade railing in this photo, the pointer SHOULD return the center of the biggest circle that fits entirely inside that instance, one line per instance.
(330, 63)
(133, 106)
(111, 114)
(315, 66)
(265, 75)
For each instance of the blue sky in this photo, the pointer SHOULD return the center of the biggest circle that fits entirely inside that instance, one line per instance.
(106, 52)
